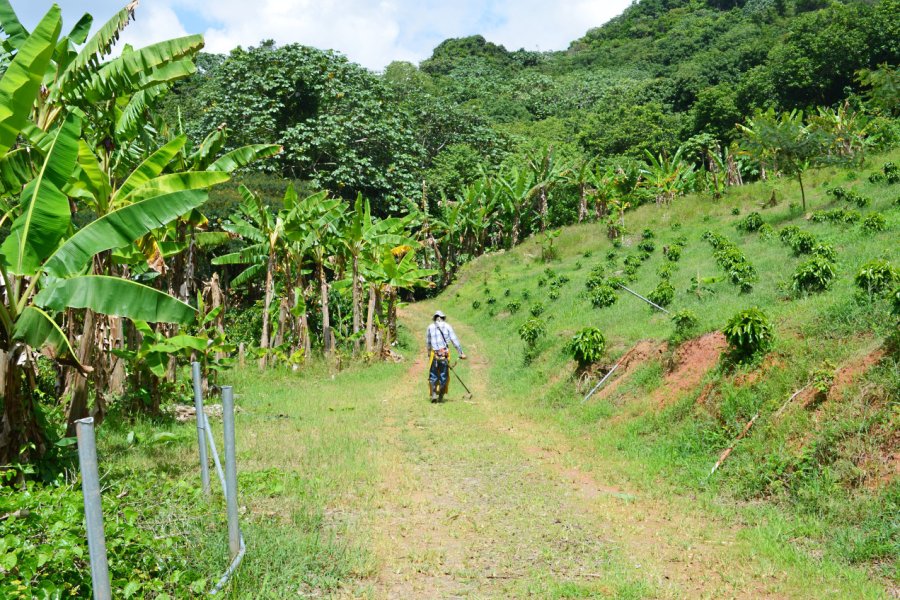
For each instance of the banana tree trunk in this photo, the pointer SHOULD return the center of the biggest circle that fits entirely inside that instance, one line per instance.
(283, 312)
(357, 308)
(270, 292)
(392, 316)
(582, 203)
(370, 321)
(544, 209)
(19, 428)
(327, 340)
(78, 405)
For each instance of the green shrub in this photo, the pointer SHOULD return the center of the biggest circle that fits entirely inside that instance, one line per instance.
(891, 172)
(685, 321)
(766, 232)
(836, 215)
(531, 331)
(895, 302)
(750, 223)
(665, 271)
(672, 252)
(633, 260)
(788, 233)
(507, 292)
(553, 294)
(513, 307)
(612, 255)
(542, 281)
(814, 275)
(603, 296)
(537, 310)
(646, 246)
(596, 277)
(874, 223)
(838, 192)
(825, 251)
(803, 242)
(562, 279)
(491, 300)
(648, 234)
(876, 177)
(526, 294)
(857, 198)
(823, 377)
(735, 211)
(476, 305)
(587, 346)
(663, 294)
(876, 276)
(748, 334)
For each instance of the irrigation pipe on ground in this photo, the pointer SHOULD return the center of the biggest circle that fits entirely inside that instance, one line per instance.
(599, 383)
(650, 302)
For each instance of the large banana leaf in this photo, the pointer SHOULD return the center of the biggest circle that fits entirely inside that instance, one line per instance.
(134, 116)
(151, 167)
(81, 29)
(120, 228)
(176, 182)
(257, 253)
(37, 329)
(126, 74)
(15, 171)
(208, 148)
(91, 183)
(241, 157)
(11, 26)
(88, 60)
(45, 216)
(114, 296)
(22, 80)
(251, 272)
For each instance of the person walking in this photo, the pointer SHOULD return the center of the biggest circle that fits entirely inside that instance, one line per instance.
(438, 338)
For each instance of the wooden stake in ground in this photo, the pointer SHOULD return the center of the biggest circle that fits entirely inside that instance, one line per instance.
(728, 450)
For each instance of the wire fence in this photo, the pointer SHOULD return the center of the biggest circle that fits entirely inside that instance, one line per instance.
(90, 486)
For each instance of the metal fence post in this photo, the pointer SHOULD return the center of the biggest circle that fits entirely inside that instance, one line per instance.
(201, 425)
(234, 530)
(93, 512)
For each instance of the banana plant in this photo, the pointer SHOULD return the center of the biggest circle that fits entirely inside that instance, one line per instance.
(362, 236)
(667, 177)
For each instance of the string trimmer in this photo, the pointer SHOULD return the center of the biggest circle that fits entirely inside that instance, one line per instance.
(452, 370)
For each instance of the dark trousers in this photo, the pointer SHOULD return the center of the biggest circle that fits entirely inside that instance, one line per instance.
(439, 374)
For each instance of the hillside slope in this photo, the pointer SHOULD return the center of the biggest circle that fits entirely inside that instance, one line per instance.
(824, 467)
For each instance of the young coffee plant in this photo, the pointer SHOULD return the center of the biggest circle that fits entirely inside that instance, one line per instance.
(646, 246)
(603, 296)
(836, 215)
(553, 294)
(513, 307)
(891, 172)
(822, 378)
(685, 321)
(750, 223)
(633, 260)
(530, 332)
(476, 304)
(874, 223)
(587, 346)
(735, 211)
(857, 199)
(814, 275)
(803, 242)
(507, 292)
(648, 234)
(666, 271)
(537, 310)
(491, 300)
(825, 251)
(766, 232)
(663, 294)
(788, 233)
(672, 252)
(876, 277)
(748, 333)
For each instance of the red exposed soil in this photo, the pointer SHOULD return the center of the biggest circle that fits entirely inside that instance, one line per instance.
(771, 362)
(850, 372)
(691, 362)
(638, 355)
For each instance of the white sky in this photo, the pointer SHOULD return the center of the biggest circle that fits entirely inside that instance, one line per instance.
(370, 32)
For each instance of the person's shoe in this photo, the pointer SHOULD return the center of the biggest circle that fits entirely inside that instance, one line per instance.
(434, 396)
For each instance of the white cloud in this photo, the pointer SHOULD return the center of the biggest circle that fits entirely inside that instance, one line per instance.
(370, 32)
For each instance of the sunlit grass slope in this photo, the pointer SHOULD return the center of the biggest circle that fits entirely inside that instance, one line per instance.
(824, 468)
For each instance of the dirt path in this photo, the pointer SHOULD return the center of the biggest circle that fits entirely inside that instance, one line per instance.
(475, 502)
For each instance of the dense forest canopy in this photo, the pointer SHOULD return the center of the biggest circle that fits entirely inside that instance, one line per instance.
(648, 80)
